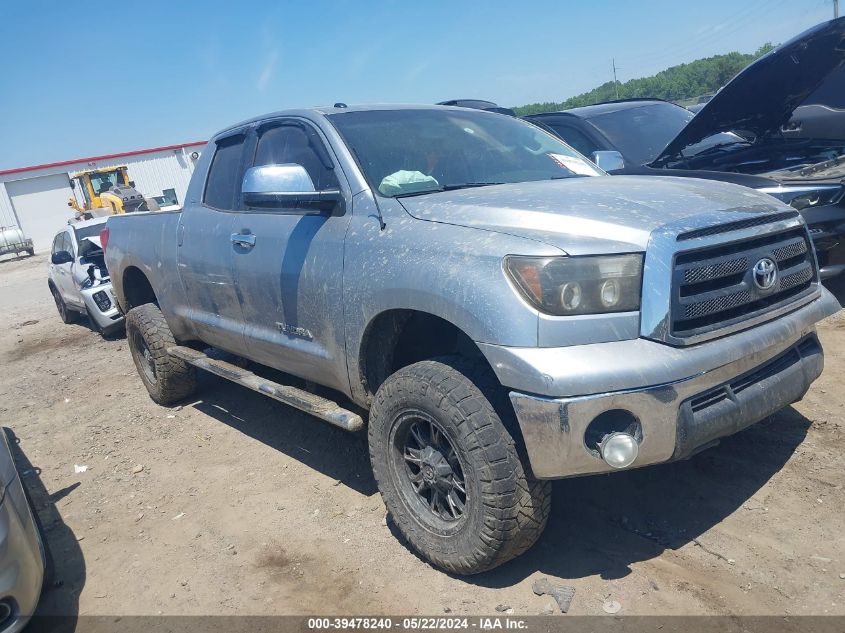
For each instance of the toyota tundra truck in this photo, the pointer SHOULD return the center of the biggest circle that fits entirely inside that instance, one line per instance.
(494, 309)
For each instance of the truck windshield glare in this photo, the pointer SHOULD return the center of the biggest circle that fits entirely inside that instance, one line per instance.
(411, 152)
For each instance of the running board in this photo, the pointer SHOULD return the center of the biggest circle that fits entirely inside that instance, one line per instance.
(292, 396)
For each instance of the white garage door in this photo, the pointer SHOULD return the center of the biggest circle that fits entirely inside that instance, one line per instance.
(41, 206)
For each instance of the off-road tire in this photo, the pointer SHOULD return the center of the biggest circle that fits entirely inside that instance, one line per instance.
(166, 378)
(67, 315)
(506, 507)
(31, 251)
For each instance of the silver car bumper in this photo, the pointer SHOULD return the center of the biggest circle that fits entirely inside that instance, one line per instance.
(682, 399)
(108, 319)
(22, 555)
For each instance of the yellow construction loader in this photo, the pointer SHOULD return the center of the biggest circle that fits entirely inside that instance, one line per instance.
(104, 192)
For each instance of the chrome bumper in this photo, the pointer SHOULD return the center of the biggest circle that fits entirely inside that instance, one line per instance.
(683, 398)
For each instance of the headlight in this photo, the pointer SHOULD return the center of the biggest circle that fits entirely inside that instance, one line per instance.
(566, 286)
(804, 197)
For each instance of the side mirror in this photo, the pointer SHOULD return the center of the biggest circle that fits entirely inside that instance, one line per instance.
(287, 187)
(608, 160)
(61, 257)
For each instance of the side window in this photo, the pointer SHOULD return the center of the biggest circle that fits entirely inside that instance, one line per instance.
(576, 138)
(286, 144)
(67, 243)
(222, 185)
(57, 244)
(170, 196)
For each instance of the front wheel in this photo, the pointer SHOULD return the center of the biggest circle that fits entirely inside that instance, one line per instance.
(65, 314)
(166, 378)
(449, 471)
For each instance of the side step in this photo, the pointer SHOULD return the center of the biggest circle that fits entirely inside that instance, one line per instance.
(310, 403)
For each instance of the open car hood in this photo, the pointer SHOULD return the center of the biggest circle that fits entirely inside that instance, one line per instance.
(90, 245)
(763, 96)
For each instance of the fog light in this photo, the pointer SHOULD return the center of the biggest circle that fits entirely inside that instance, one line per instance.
(619, 450)
(102, 300)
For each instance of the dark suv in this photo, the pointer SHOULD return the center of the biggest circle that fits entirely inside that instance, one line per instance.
(742, 135)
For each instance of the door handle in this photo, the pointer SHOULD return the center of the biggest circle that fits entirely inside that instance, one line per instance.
(246, 241)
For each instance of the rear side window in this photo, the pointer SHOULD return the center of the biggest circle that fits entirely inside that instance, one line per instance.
(222, 185)
(292, 144)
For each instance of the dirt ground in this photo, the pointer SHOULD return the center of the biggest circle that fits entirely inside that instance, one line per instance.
(245, 506)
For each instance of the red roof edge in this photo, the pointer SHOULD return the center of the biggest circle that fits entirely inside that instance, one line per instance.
(93, 159)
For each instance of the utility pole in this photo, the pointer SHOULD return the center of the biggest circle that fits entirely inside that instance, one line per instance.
(835, 9)
(616, 83)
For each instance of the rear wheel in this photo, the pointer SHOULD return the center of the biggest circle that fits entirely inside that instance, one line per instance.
(449, 471)
(66, 314)
(166, 378)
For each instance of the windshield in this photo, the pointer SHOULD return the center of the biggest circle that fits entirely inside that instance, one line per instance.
(640, 133)
(408, 152)
(103, 181)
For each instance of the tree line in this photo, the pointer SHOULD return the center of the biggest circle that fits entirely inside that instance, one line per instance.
(678, 83)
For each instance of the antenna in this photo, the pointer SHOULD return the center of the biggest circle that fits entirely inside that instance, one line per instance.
(615, 82)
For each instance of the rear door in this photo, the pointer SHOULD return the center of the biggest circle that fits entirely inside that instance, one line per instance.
(290, 277)
(205, 249)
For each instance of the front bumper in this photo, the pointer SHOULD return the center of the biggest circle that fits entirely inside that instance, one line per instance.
(682, 398)
(108, 319)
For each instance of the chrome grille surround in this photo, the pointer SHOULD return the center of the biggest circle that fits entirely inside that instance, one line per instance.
(702, 288)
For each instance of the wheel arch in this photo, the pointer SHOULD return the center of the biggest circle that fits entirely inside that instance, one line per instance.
(396, 338)
(136, 289)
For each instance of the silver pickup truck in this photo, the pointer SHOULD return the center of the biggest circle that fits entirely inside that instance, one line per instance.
(494, 309)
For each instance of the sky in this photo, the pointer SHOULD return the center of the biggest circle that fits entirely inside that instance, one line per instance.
(84, 79)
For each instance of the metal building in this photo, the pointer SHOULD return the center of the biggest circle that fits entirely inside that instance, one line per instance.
(36, 198)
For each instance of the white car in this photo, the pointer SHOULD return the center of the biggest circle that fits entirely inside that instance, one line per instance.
(162, 203)
(78, 278)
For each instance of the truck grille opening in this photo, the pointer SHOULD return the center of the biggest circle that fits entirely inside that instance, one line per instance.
(715, 287)
(806, 347)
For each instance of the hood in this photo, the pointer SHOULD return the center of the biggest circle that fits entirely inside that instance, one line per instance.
(602, 214)
(90, 245)
(762, 97)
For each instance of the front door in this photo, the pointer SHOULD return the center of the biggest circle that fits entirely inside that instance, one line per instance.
(205, 250)
(289, 268)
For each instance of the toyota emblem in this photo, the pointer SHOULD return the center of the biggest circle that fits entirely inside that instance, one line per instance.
(765, 274)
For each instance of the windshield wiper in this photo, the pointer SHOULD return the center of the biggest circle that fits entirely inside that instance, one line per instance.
(468, 185)
(421, 192)
(463, 185)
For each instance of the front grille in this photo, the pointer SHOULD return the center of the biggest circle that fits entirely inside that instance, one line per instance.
(714, 287)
